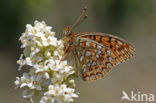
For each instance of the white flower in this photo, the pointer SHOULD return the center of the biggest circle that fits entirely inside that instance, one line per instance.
(56, 93)
(21, 62)
(41, 55)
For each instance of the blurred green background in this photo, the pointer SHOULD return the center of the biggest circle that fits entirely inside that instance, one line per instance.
(133, 20)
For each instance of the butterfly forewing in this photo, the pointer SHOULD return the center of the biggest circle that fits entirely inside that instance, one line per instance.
(120, 48)
(97, 53)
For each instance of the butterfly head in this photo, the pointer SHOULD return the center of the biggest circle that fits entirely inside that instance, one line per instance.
(68, 31)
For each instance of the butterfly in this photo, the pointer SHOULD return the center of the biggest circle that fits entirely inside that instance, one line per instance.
(94, 54)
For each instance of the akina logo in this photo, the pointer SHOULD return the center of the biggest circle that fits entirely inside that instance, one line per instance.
(137, 97)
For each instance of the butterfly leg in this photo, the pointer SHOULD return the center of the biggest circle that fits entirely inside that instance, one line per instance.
(66, 53)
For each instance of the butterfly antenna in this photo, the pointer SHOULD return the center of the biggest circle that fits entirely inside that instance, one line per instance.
(85, 17)
(78, 20)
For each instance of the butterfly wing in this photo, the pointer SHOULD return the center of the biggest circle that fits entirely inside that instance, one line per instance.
(94, 63)
(97, 53)
(121, 49)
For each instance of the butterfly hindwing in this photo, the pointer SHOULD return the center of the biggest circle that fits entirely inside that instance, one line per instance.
(94, 62)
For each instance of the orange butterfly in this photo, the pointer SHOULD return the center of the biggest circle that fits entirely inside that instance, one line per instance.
(94, 53)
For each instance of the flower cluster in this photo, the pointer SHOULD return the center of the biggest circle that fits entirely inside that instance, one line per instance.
(41, 55)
